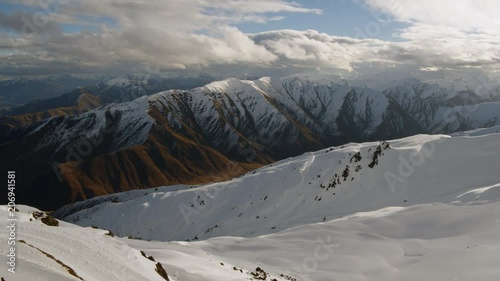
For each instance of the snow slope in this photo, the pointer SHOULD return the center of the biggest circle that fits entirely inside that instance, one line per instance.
(405, 216)
(451, 242)
(93, 255)
(314, 187)
(421, 242)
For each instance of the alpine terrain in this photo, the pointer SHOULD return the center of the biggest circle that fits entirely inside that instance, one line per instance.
(223, 130)
(423, 207)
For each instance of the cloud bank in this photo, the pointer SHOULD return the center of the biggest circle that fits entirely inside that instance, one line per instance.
(201, 35)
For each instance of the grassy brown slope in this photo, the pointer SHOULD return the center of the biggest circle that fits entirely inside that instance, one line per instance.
(154, 163)
(165, 158)
(142, 167)
(85, 103)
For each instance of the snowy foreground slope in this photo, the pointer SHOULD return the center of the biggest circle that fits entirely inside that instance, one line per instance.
(387, 213)
(49, 253)
(423, 242)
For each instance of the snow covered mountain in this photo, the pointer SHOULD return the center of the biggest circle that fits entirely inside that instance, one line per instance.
(222, 130)
(371, 211)
(82, 99)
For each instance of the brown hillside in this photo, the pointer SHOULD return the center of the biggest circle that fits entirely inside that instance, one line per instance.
(85, 103)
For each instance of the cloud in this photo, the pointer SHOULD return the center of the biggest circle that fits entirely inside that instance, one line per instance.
(313, 49)
(174, 34)
(200, 35)
(26, 23)
(452, 49)
(464, 15)
(446, 33)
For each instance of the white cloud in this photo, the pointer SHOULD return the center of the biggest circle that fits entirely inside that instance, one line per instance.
(464, 15)
(448, 33)
(172, 34)
(313, 49)
(201, 34)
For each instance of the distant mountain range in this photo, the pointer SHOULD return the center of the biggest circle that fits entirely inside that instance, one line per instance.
(217, 131)
(19, 91)
(82, 99)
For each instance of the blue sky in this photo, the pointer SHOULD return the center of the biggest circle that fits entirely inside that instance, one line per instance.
(339, 17)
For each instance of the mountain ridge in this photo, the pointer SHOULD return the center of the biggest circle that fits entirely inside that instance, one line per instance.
(311, 188)
(182, 136)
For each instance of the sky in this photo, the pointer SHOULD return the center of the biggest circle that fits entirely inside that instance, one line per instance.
(248, 37)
